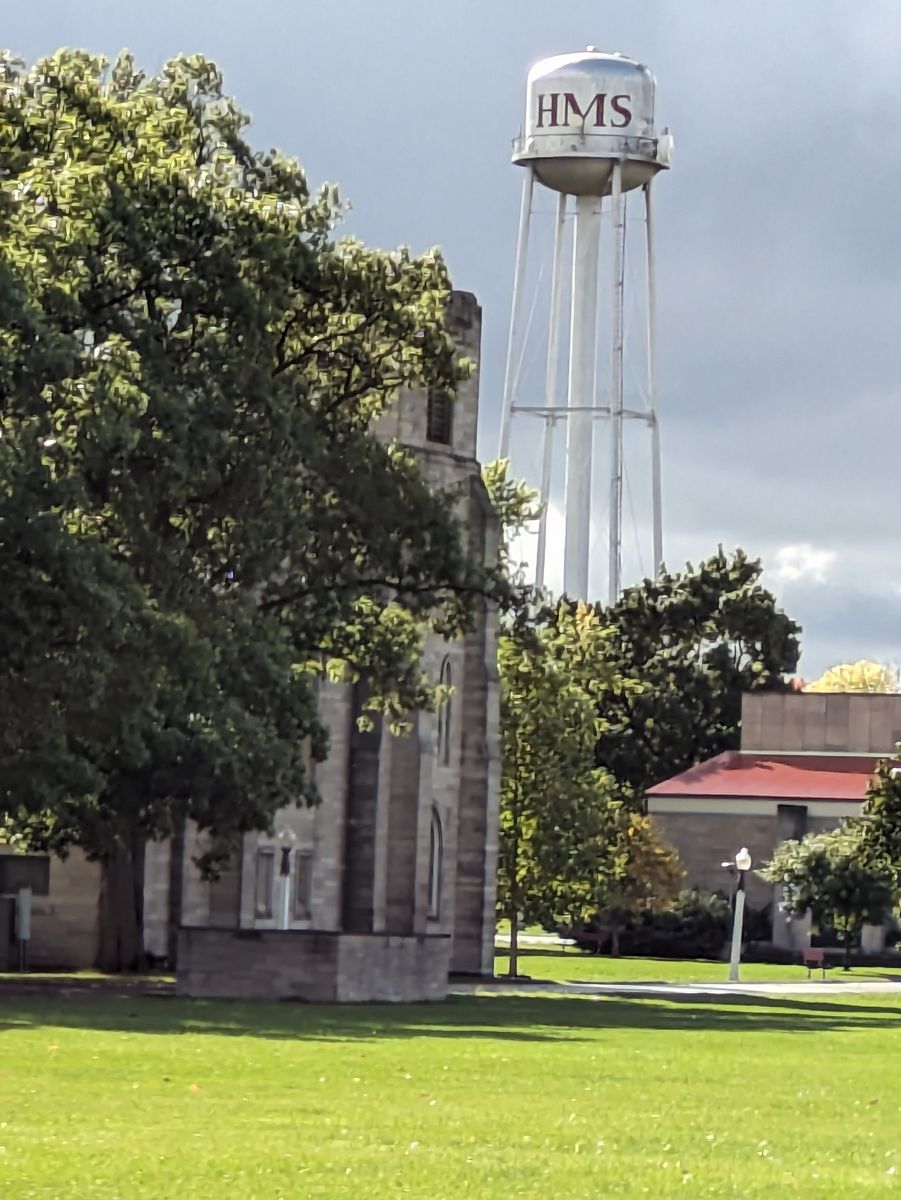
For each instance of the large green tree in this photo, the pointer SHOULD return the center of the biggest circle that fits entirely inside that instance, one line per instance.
(195, 516)
(696, 641)
(826, 875)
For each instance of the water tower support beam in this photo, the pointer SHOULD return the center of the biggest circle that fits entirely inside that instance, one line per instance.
(656, 496)
(550, 387)
(516, 317)
(616, 391)
(582, 394)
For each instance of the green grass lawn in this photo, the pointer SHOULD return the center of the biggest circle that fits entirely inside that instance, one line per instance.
(496, 1097)
(572, 965)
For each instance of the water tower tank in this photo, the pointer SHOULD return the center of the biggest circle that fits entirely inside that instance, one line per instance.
(584, 112)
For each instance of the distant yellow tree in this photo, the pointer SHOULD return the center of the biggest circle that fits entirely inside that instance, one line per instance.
(862, 676)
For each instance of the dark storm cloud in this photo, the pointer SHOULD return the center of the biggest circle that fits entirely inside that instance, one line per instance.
(779, 252)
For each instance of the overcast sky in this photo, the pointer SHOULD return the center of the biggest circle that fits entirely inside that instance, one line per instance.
(778, 233)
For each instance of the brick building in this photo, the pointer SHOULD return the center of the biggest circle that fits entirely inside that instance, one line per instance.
(805, 763)
(389, 884)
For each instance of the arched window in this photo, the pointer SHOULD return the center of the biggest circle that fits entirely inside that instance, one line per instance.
(443, 743)
(436, 850)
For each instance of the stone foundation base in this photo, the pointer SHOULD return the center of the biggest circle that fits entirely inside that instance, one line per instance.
(309, 965)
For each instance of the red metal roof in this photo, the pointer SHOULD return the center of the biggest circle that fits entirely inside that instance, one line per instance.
(774, 777)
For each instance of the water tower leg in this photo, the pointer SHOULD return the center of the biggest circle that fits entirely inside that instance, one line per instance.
(519, 275)
(582, 387)
(657, 501)
(550, 388)
(616, 392)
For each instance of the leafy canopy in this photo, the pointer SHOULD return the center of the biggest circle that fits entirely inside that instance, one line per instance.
(555, 803)
(861, 676)
(195, 515)
(552, 794)
(695, 642)
(649, 875)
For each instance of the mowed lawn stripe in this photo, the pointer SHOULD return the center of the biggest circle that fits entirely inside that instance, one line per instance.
(482, 1097)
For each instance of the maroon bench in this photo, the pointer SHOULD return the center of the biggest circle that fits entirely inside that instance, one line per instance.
(815, 960)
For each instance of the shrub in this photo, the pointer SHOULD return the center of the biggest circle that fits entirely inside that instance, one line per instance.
(696, 926)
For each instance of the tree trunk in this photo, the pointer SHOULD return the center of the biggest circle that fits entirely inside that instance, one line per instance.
(846, 966)
(121, 942)
(614, 942)
(513, 964)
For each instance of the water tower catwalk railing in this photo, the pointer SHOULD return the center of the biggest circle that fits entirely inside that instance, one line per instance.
(588, 134)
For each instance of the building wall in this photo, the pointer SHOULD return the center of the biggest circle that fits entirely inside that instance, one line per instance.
(65, 924)
(466, 792)
(314, 966)
(405, 422)
(835, 723)
(157, 899)
(705, 840)
(707, 832)
(478, 806)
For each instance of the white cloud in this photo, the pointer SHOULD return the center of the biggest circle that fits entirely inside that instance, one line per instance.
(802, 561)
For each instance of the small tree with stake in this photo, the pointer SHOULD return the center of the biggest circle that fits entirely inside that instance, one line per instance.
(553, 799)
(827, 875)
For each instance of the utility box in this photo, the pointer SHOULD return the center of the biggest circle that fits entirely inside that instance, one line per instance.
(23, 915)
(23, 927)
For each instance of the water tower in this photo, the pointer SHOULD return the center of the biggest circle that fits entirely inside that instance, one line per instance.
(588, 134)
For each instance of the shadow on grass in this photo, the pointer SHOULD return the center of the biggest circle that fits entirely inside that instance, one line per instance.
(501, 1018)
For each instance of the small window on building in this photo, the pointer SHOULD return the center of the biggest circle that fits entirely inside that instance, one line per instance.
(265, 884)
(436, 850)
(303, 885)
(24, 871)
(445, 713)
(440, 418)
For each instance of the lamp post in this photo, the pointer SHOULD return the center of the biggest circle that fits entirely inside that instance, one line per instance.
(286, 839)
(742, 866)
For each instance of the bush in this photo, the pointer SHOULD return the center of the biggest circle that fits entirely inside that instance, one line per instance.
(696, 926)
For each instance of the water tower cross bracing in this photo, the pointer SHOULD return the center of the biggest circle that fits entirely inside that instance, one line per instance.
(589, 137)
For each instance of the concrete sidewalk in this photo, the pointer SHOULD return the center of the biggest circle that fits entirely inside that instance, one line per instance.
(811, 987)
(542, 940)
